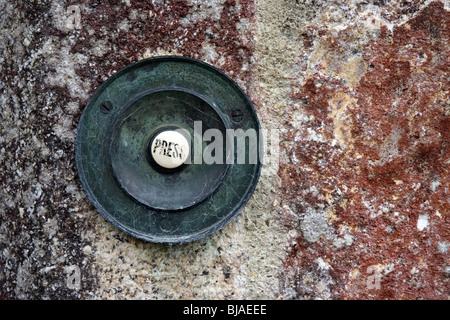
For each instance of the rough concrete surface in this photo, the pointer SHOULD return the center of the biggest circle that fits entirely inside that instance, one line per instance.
(357, 206)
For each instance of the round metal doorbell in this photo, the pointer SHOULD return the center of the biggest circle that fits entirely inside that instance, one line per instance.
(168, 149)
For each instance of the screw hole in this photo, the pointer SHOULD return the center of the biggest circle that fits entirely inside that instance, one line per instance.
(237, 115)
(167, 225)
(106, 107)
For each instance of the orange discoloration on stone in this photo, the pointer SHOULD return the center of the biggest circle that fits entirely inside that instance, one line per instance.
(391, 125)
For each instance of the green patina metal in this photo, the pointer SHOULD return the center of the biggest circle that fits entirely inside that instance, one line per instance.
(115, 167)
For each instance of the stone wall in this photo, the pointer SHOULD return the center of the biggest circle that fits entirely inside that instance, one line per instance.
(356, 208)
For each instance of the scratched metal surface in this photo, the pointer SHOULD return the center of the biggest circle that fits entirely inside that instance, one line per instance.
(111, 150)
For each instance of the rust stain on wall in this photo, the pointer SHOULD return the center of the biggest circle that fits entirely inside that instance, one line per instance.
(372, 157)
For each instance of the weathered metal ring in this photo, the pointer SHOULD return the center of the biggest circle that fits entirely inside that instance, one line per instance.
(119, 122)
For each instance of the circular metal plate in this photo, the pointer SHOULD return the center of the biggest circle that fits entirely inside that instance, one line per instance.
(113, 155)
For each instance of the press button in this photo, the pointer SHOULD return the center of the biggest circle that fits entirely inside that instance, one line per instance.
(169, 149)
